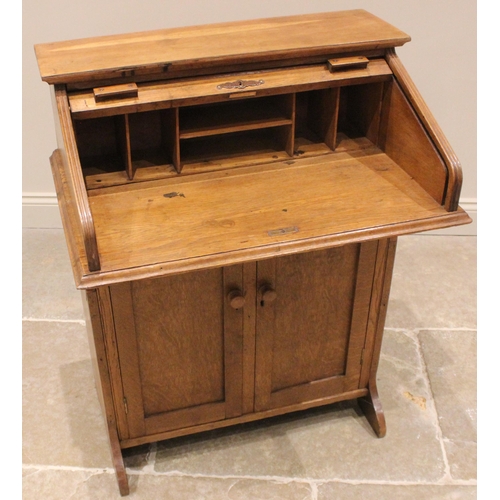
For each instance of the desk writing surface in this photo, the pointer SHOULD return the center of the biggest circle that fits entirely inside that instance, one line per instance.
(184, 218)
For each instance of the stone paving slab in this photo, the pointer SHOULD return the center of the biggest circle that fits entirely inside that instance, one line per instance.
(49, 290)
(338, 491)
(62, 420)
(90, 485)
(434, 283)
(332, 443)
(451, 360)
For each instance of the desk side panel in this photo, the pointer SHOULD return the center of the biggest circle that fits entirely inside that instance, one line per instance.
(453, 183)
(68, 164)
(69, 217)
(405, 141)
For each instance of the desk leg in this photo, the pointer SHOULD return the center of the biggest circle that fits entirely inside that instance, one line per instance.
(370, 404)
(96, 307)
(117, 457)
(372, 408)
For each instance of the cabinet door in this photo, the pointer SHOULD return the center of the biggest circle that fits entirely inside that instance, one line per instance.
(312, 313)
(179, 344)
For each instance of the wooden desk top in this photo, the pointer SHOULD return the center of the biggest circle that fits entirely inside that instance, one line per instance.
(160, 51)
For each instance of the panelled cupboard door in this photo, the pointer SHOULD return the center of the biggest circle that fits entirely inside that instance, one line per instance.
(180, 344)
(312, 313)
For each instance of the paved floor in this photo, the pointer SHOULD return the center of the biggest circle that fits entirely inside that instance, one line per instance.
(427, 384)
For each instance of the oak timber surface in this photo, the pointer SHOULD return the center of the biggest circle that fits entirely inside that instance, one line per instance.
(155, 51)
(157, 95)
(216, 213)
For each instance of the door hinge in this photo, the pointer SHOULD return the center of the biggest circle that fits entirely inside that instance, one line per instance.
(125, 405)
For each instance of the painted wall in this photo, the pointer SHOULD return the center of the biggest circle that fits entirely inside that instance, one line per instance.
(441, 58)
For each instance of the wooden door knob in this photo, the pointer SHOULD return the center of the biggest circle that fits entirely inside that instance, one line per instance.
(236, 299)
(268, 294)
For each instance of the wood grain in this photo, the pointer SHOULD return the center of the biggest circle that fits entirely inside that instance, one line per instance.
(264, 322)
(372, 408)
(249, 320)
(199, 90)
(172, 340)
(310, 338)
(343, 63)
(120, 91)
(119, 308)
(181, 349)
(370, 404)
(359, 111)
(321, 114)
(310, 343)
(249, 417)
(223, 118)
(70, 162)
(160, 51)
(405, 141)
(105, 378)
(328, 204)
(69, 217)
(233, 341)
(386, 252)
(411, 92)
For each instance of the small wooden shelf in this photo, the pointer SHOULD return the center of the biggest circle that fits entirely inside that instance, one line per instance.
(234, 146)
(225, 118)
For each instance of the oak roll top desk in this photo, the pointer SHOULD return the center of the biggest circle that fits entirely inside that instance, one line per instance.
(231, 197)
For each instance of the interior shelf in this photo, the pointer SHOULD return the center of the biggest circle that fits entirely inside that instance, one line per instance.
(228, 117)
(155, 144)
(235, 145)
